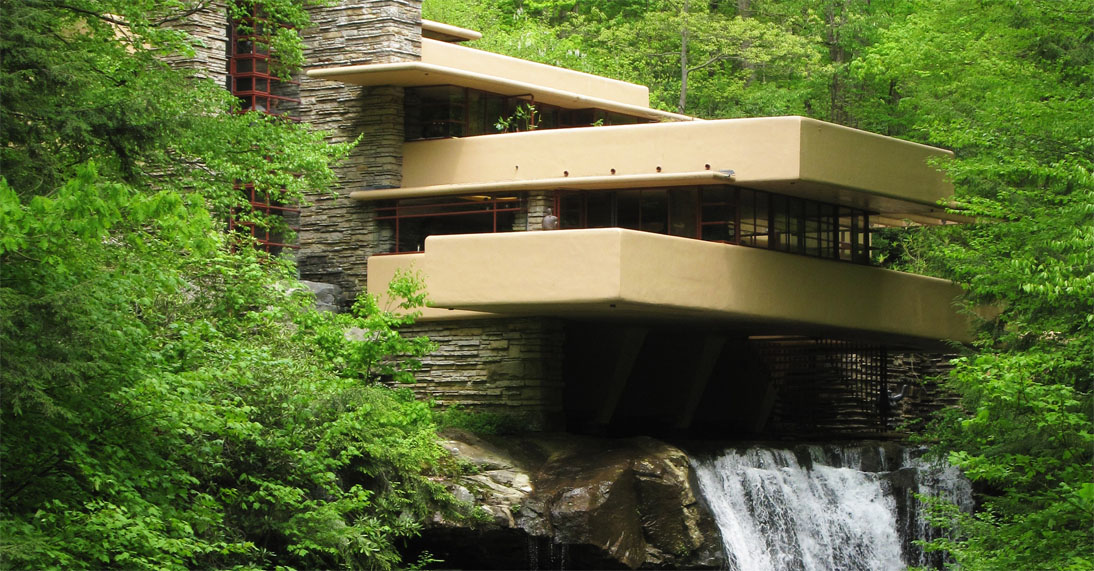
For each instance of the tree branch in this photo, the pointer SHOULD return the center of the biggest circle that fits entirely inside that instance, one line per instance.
(57, 459)
(709, 62)
(186, 14)
(102, 17)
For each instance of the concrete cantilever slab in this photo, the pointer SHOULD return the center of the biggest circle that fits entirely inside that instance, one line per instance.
(448, 33)
(445, 63)
(621, 273)
(561, 183)
(788, 155)
(418, 74)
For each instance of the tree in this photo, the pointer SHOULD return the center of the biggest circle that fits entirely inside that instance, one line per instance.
(734, 66)
(1008, 88)
(169, 397)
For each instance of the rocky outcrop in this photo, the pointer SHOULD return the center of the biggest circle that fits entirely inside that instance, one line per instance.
(328, 297)
(565, 501)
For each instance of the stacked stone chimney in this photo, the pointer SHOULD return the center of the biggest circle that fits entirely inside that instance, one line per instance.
(339, 234)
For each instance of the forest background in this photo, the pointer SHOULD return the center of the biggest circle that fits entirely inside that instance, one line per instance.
(170, 400)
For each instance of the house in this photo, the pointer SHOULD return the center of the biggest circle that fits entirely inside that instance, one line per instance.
(696, 275)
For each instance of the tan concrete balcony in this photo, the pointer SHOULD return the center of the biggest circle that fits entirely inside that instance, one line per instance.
(445, 63)
(795, 156)
(617, 274)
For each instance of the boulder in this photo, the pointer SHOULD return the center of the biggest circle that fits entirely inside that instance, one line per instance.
(566, 501)
(328, 297)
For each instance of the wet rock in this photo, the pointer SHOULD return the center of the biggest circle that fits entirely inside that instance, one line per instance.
(565, 501)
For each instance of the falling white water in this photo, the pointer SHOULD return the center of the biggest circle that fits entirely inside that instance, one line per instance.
(776, 514)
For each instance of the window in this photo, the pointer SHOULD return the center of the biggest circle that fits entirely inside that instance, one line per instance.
(440, 111)
(716, 213)
(259, 89)
(276, 233)
(854, 237)
(725, 214)
(718, 221)
(451, 111)
(413, 220)
(249, 70)
(684, 212)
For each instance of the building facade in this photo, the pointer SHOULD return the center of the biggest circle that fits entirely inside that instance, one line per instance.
(595, 264)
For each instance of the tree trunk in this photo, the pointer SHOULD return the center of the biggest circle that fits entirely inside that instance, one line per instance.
(837, 56)
(744, 8)
(684, 60)
(744, 12)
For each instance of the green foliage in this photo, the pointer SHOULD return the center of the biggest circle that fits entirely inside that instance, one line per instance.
(522, 119)
(285, 17)
(88, 81)
(172, 411)
(481, 422)
(1008, 88)
(171, 402)
(743, 58)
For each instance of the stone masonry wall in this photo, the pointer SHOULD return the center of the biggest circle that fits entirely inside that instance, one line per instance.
(536, 205)
(924, 374)
(508, 366)
(339, 234)
(210, 26)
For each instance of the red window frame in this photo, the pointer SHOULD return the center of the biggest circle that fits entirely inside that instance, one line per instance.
(256, 88)
(470, 205)
(784, 222)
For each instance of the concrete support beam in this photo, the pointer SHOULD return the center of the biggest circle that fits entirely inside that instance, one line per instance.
(704, 366)
(764, 387)
(630, 344)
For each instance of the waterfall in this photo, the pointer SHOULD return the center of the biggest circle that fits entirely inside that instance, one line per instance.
(816, 508)
(935, 479)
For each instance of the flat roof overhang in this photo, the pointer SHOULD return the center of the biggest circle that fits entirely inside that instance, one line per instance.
(418, 74)
(561, 183)
(795, 156)
(619, 274)
(447, 32)
(445, 63)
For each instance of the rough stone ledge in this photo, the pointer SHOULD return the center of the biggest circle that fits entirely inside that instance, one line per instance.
(589, 502)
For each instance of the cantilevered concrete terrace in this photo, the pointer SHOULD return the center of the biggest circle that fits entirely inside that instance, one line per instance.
(619, 274)
(793, 156)
(445, 63)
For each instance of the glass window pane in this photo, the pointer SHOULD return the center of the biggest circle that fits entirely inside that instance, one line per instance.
(747, 207)
(718, 213)
(598, 212)
(683, 207)
(627, 212)
(781, 226)
(845, 221)
(811, 227)
(476, 121)
(495, 111)
(655, 210)
(569, 215)
(754, 218)
(796, 215)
